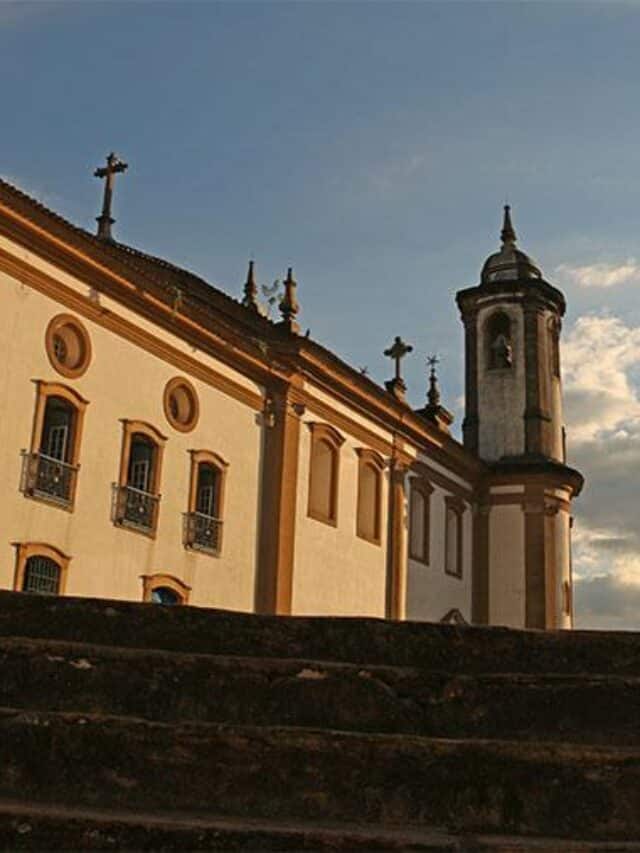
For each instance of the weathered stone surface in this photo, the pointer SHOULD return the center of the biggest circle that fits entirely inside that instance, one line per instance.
(59, 828)
(306, 774)
(128, 726)
(172, 686)
(447, 648)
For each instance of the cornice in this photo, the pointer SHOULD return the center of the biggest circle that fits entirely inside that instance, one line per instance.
(530, 291)
(536, 468)
(210, 321)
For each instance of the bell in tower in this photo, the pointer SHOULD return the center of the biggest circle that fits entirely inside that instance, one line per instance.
(514, 423)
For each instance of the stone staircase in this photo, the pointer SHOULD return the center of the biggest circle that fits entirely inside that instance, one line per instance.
(131, 726)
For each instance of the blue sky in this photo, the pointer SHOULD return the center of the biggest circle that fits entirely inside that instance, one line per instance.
(371, 145)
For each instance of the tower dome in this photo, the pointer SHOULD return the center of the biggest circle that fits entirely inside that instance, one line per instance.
(509, 264)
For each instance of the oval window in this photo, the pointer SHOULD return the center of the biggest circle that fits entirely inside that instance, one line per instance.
(181, 406)
(68, 346)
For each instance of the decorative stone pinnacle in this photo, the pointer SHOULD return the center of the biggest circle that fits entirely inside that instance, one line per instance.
(250, 299)
(508, 234)
(434, 411)
(397, 352)
(105, 220)
(433, 395)
(289, 306)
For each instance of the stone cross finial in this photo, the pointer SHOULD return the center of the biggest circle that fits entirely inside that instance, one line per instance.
(397, 352)
(289, 306)
(105, 221)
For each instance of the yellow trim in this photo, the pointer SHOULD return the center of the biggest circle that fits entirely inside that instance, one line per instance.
(131, 332)
(170, 387)
(59, 322)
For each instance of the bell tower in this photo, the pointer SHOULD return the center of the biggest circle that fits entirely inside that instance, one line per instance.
(514, 423)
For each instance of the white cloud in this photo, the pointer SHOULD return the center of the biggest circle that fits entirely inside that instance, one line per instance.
(601, 355)
(601, 274)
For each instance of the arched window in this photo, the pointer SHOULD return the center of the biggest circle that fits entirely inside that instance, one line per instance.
(324, 469)
(164, 589)
(419, 519)
(203, 521)
(40, 569)
(454, 509)
(500, 349)
(136, 495)
(50, 469)
(368, 521)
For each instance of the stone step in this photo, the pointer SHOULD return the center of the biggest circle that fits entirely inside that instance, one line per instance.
(54, 827)
(170, 686)
(438, 647)
(465, 786)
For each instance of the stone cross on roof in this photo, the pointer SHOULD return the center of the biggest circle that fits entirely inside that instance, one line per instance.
(397, 352)
(105, 221)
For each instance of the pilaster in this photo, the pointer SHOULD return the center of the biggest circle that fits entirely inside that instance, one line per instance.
(279, 485)
(470, 423)
(480, 579)
(537, 416)
(397, 549)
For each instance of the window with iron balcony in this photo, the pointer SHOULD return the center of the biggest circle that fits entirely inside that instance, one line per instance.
(50, 468)
(136, 497)
(203, 520)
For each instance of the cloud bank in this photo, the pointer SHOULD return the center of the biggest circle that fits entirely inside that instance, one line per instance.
(601, 274)
(602, 409)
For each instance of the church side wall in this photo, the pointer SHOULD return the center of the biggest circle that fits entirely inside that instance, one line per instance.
(124, 381)
(336, 572)
(431, 592)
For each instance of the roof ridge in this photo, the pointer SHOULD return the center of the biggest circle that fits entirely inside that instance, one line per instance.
(126, 253)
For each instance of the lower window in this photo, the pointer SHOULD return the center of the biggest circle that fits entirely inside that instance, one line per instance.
(40, 569)
(164, 589)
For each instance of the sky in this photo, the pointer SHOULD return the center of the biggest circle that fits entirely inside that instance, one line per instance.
(371, 145)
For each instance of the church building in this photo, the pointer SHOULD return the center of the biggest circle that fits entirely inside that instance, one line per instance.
(166, 442)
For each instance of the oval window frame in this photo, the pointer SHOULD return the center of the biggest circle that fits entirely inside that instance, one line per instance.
(56, 325)
(173, 385)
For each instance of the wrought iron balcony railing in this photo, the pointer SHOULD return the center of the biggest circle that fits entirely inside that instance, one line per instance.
(48, 479)
(202, 532)
(135, 508)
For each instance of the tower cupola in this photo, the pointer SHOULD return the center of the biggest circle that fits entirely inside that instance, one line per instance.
(509, 264)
